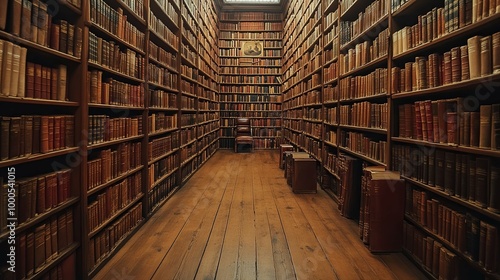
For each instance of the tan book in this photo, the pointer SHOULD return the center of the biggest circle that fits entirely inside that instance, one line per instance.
(474, 47)
(7, 67)
(22, 73)
(15, 17)
(1, 61)
(16, 58)
(3, 13)
(486, 67)
(495, 52)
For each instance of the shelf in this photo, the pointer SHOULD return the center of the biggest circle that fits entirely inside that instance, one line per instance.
(61, 255)
(70, 7)
(188, 143)
(115, 215)
(156, 38)
(188, 160)
(330, 103)
(163, 156)
(330, 144)
(41, 217)
(163, 109)
(313, 120)
(259, 66)
(188, 126)
(188, 110)
(159, 12)
(452, 248)
(447, 39)
(35, 157)
(159, 63)
(247, 102)
(162, 201)
(190, 80)
(353, 10)
(39, 49)
(365, 129)
(114, 38)
(131, 13)
(464, 203)
(26, 100)
(109, 106)
(158, 86)
(113, 181)
(114, 142)
(467, 84)
(364, 98)
(409, 8)
(373, 64)
(189, 62)
(162, 178)
(449, 147)
(363, 157)
(332, 173)
(114, 72)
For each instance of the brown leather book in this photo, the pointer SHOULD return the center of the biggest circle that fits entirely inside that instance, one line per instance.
(447, 68)
(449, 173)
(69, 227)
(466, 129)
(474, 129)
(71, 39)
(37, 142)
(39, 248)
(30, 253)
(15, 17)
(69, 128)
(50, 191)
(21, 251)
(21, 88)
(25, 20)
(5, 136)
(456, 67)
(48, 243)
(68, 267)
(472, 180)
(50, 130)
(53, 241)
(486, 56)
(57, 133)
(8, 53)
(63, 37)
(30, 80)
(494, 194)
(78, 42)
(485, 127)
(495, 52)
(43, 24)
(461, 228)
(38, 81)
(482, 242)
(482, 182)
(23, 198)
(464, 63)
(55, 36)
(53, 83)
(3, 13)
(40, 202)
(429, 120)
(492, 249)
(474, 47)
(457, 174)
(62, 241)
(45, 87)
(14, 137)
(34, 20)
(28, 135)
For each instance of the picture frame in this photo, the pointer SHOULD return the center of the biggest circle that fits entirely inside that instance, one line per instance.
(252, 48)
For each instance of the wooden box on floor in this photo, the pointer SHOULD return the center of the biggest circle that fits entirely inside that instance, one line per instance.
(288, 164)
(304, 175)
(284, 148)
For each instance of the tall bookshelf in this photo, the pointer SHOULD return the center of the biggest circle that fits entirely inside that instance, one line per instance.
(386, 102)
(106, 110)
(250, 52)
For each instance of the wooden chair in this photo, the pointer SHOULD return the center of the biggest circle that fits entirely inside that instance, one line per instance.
(243, 134)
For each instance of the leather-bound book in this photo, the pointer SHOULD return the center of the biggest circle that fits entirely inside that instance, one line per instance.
(30, 80)
(440, 169)
(482, 182)
(492, 249)
(473, 237)
(5, 136)
(447, 68)
(34, 20)
(429, 252)
(48, 243)
(37, 137)
(474, 47)
(495, 126)
(21, 254)
(15, 17)
(456, 67)
(68, 267)
(39, 247)
(449, 173)
(71, 39)
(418, 121)
(50, 192)
(495, 52)
(465, 136)
(3, 13)
(457, 188)
(461, 228)
(21, 88)
(475, 125)
(25, 22)
(429, 120)
(485, 127)
(69, 227)
(14, 137)
(494, 194)
(486, 56)
(78, 42)
(62, 83)
(38, 81)
(30, 253)
(53, 241)
(40, 202)
(442, 119)
(63, 37)
(51, 133)
(53, 83)
(435, 258)
(464, 63)
(55, 36)
(70, 131)
(482, 243)
(43, 24)
(8, 53)
(62, 240)
(431, 169)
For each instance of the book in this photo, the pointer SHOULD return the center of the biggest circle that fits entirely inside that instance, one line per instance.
(495, 51)
(485, 127)
(486, 56)
(16, 60)
(8, 53)
(15, 17)
(474, 47)
(62, 82)
(21, 88)
(494, 192)
(39, 247)
(25, 20)
(482, 182)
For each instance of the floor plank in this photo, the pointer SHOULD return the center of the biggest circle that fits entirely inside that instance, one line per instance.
(237, 219)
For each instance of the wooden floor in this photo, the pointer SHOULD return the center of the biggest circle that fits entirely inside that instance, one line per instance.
(236, 218)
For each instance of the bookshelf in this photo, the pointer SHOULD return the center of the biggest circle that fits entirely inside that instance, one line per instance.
(250, 51)
(106, 91)
(398, 88)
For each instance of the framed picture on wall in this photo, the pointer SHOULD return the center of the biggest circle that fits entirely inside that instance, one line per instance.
(252, 48)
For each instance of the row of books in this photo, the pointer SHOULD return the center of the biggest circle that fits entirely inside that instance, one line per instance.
(468, 234)
(331, 136)
(249, 114)
(207, 93)
(37, 196)
(115, 22)
(331, 115)
(163, 31)
(313, 129)
(188, 119)
(113, 199)
(161, 168)
(109, 55)
(113, 92)
(363, 86)
(103, 243)
(203, 117)
(189, 72)
(230, 35)
(188, 102)
(438, 22)
(225, 62)
(206, 128)
(34, 21)
(478, 58)
(250, 106)
(297, 32)
(250, 16)
(371, 15)
(187, 135)
(161, 191)
(208, 105)
(444, 121)
(189, 54)
(103, 128)
(137, 6)
(162, 76)
(468, 177)
(365, 52)
(359, 143)
(160, 122)
(112, 163)
(314, 114)
(365, 114)
(13, 71)
(161, 146)
(349, 170)
(26, 135)
(169, 8)
(162, 99)
(250, 98)
(187, 152)
(38, 246)
(434, 256)
(161, 55)
(330, 73)
(330, 93)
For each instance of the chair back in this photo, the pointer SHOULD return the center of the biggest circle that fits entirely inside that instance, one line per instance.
(243, 127)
